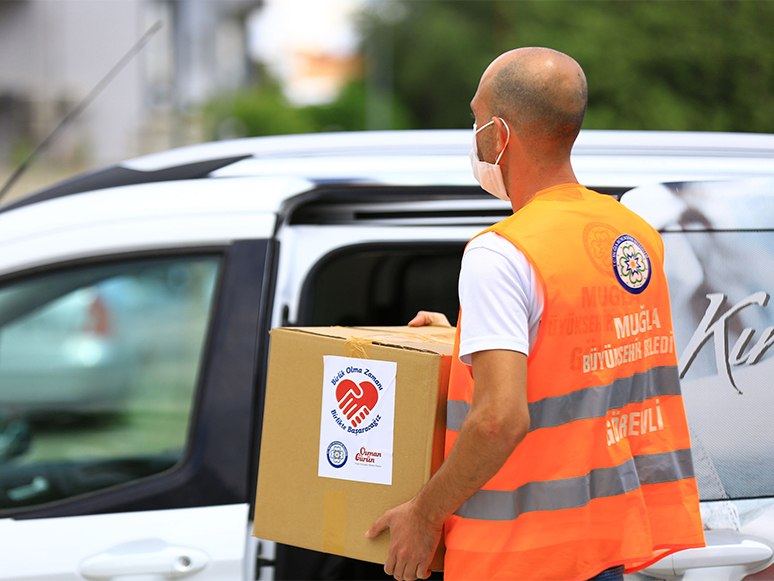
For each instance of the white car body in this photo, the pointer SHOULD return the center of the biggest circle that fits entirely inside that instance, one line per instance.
(303, 201)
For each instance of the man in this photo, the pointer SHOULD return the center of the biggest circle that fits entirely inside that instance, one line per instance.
(570, 458)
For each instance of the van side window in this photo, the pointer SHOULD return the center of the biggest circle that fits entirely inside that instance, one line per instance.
(98, 369)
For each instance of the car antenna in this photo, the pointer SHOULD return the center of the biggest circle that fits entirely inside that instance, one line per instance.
(80, 107)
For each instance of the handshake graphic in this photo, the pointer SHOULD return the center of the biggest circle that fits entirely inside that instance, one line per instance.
(356, 401)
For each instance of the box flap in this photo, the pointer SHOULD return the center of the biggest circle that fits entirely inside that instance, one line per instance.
(429, 338)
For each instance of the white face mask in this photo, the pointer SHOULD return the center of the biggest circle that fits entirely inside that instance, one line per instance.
(489, 175)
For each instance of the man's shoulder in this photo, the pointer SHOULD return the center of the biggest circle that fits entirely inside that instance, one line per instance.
(495, 243)
(487, 239)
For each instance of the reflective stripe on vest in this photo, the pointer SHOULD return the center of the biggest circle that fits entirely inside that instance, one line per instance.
(583, 404)
(574, 492)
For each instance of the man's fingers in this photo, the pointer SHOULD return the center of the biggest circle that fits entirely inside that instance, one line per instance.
(424, 318)
(376, 529)
(389, 564)
(398, 571)
(404, 567)
(411, 548)
(420, 319)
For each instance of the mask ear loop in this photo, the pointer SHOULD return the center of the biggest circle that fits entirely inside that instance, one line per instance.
(476, 130)
(507, 139)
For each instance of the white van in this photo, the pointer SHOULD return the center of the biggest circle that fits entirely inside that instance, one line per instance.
(135, 304)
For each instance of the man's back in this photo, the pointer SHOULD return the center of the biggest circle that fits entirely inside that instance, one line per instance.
(608, 444)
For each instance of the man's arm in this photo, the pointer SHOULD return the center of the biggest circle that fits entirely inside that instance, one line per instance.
(497, 421)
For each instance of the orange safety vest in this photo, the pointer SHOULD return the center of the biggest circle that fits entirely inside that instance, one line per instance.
(604, 477)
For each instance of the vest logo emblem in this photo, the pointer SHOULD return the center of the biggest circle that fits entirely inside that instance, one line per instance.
(598, 239)
(337, 454)
(631, 264)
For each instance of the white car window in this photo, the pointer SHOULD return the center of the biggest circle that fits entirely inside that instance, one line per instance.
(98, 369)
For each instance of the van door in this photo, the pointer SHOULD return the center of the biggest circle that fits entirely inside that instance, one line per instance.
(719, 247)
(378, 256)
(126, 398)
(374, 259)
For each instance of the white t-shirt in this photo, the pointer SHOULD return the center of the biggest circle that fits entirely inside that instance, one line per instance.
(500, 296)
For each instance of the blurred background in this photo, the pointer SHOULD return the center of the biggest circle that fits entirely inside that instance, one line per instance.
(220, 69)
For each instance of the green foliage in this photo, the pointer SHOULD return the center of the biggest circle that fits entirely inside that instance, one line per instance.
(21, 149)
(440, 50)
(673, 65)
(257, 111)
(651, 64)
(264, 110)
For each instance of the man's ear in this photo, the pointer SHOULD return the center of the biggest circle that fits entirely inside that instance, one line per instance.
(504, 133)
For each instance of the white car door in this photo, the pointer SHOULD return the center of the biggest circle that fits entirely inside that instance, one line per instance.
(126, 409)
(204, 543)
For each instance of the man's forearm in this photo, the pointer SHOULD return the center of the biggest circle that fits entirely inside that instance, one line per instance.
(480, 450)
(497, 421)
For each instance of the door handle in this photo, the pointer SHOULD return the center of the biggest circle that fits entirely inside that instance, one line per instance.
(728, 556)
(146, 557)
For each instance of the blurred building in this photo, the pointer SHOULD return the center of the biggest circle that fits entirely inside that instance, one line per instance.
(55, 53)
(310, 46)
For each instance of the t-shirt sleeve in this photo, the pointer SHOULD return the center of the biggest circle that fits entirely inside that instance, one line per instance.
(500, 298)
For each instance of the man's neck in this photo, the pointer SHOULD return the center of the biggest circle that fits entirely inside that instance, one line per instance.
(525, 189)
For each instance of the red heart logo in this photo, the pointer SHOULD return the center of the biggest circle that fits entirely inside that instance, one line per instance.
(356, 401)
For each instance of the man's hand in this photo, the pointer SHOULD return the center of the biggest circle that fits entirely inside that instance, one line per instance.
(497, 421)
(424, 318)
(413, 541)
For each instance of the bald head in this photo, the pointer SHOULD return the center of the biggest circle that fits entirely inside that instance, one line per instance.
(541, 92)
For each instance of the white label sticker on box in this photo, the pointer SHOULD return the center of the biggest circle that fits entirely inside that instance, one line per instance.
(358, 419)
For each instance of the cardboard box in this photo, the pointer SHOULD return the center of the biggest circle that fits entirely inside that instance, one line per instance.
(305, 497)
